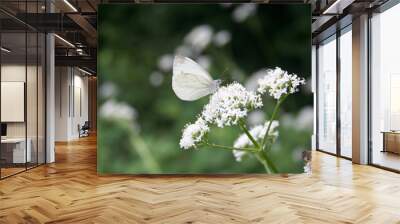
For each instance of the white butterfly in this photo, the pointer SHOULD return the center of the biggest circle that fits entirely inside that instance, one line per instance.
(190, 81)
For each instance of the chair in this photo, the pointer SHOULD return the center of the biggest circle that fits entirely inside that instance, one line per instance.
(84, 130)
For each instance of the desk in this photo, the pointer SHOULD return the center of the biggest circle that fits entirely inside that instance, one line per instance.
(15, 148)
(391, 141)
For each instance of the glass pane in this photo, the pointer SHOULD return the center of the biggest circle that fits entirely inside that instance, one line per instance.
(22, 102)
(385, 84)
(14, 154)
(31, 97)
(345, 94)
(327, 96)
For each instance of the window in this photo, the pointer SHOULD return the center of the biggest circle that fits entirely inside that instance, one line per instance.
(345, 92)
(385, 88)
(327, 95)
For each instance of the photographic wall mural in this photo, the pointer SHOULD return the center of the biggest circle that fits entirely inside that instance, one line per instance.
(204, 88)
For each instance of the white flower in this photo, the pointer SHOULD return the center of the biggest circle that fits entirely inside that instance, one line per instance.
(307, 161)
(307, 168)
(305, 118)
(108, 89)
(156, 78)
(279, 82)
(184, 51)
(165, 62)
(204, 62)
(242, 12)
(229, 104)
(256, 117)
(252, 82)
(222, 37)
(238, 154)
(302, 121)
(112, 109)
(193, 133)
(258, 133)
(199, 37)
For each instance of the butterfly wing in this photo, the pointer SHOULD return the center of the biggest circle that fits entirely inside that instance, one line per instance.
(189, 80)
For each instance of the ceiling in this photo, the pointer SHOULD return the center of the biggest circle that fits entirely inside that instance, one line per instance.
(75, 22)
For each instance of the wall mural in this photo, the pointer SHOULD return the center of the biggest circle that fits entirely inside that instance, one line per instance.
(219, 88)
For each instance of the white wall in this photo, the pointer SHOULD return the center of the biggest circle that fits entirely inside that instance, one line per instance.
(16, 73)
(9, 73)
(71, 102)
(33, 126)
(80, 104)
(61, 103)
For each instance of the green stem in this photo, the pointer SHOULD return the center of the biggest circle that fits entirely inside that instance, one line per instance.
(246, 131)
(274, 113)
(145, 154)
(268, 161)
(264, 163)
(260, 155)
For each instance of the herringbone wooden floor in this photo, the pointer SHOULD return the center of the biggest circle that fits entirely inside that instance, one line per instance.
(70, 191)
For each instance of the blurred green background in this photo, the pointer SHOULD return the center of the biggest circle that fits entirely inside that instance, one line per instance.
(141, 120)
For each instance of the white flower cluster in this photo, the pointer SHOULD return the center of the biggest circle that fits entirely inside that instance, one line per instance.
(117, 110)
(279, 82)
(193, 133)
(258, 133)
(222, 37)
(244, 11)
(199, 37)
(229, 104)
(233, 102)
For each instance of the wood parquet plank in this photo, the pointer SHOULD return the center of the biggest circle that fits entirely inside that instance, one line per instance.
(70, 191)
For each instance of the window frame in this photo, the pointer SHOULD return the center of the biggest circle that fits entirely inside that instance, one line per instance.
(339, 32)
